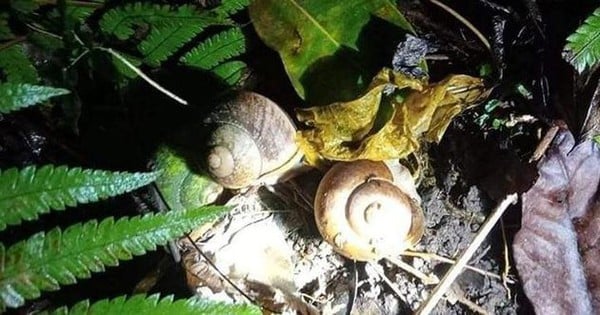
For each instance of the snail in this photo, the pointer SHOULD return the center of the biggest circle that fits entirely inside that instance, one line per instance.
(251, 141)
(367, 212)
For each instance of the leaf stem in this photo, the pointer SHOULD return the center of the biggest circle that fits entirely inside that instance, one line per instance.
(464, 21)
(455, 271)
(143, 76)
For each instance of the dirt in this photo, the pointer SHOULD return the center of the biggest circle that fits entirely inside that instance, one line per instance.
(310, 276)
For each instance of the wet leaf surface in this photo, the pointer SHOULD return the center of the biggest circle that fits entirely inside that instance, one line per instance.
(555, 250)
(348, 131)
(322, 44)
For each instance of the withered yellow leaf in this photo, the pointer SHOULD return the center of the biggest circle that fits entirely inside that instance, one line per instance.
(344, 131)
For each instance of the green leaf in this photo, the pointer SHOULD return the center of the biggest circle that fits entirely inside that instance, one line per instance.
(229, 7)
(583, 47)
(24, 6)
(181, 187)
(141, 304)
(46, 261)
(26, 193)
(16, 96)
(216, 49)
(16, 66)
(169, 28)
(5, 32)
(230, 72)
(164, 41)
(320, 42)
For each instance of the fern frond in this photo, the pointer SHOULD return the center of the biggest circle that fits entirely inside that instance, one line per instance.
(583, 46)
(16, 96)
(47, 260)
(230, 72)
(216, 49)
(170, 28)
(16, 66)
(25, 6)
(229, 7)
(141, 304)
(77, 12)
(164, 41)
(31, 191)
(5, 32)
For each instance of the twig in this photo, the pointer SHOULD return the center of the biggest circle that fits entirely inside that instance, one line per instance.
(464, 21)
(13, 42)
(385, 279)
(143, 76)
(456, 269)
(430, 256)
(506, 271)
(427, 279)
(544, 144)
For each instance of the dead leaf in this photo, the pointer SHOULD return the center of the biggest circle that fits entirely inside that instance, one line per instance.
(558, 263)
(347, 131)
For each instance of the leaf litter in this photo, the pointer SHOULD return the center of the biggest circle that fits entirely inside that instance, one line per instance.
(556, 249)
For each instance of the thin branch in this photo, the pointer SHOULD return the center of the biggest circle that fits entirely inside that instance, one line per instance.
(464, 21)
(12, 42)
(83, 4)
(456, 269)
(430, 256)
(143, 76)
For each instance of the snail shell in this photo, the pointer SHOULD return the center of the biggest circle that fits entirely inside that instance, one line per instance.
(363, 214)
(252, 141)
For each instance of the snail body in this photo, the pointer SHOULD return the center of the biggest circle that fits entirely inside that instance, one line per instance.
(363, 214)
(251, 141)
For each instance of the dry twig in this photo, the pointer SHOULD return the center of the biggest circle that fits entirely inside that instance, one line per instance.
(453, 273)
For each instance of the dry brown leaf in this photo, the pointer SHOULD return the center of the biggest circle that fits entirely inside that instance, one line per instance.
(345, 131)
(557, 258)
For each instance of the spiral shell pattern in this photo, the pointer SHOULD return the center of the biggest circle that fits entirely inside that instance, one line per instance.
(363, 214)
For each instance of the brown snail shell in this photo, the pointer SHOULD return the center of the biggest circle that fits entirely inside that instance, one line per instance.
(251, 141)
(363, 214)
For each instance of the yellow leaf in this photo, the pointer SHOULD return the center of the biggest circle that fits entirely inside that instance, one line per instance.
(344, 131)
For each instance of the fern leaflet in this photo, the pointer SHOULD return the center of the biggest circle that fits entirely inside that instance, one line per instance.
(169, 28)
(25, 6)
(141, 304)
(230, 72)
(47, 260)
(16, 96)
(163, 41)
(5, 32)
(216, 49)
(229, 7)
(26, 193)
(16, 67)
(583, 46)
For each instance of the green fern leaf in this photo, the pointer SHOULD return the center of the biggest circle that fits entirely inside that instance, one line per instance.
(26, 193)
(170, 28)
(47, 260)
(24, 6)
(216, 49)
(229, 7)
(583, 47)
(78, 12)
(141, 304)
(16, 66)
(230, 72)
(16, 96)
(5, 32)
(163, 41)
